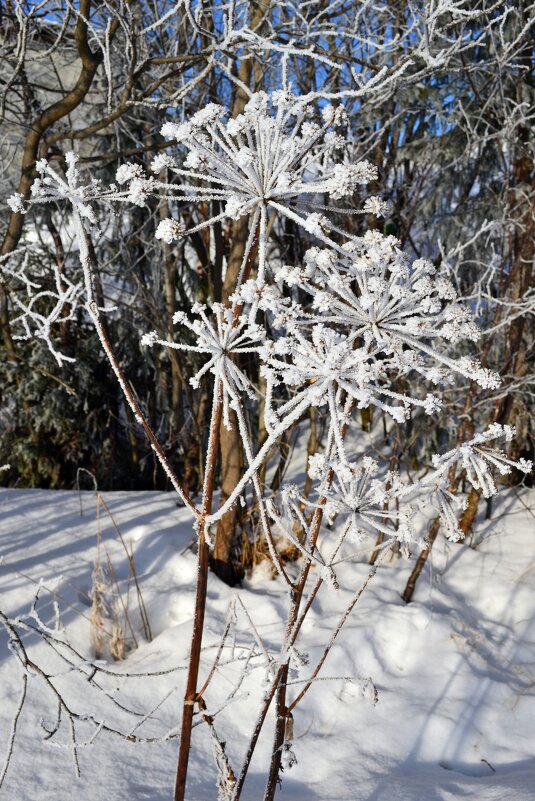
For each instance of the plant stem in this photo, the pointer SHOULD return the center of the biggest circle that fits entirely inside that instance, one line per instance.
(278, 741)
(89, 269)
(191, 695)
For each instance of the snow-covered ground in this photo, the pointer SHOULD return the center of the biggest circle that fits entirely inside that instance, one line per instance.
(454, 671)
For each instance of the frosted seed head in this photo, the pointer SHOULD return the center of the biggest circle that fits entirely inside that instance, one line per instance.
(161, 162)
(127, 172)
(16, 203)
(149, 339)
(374, 205)
(170, 230)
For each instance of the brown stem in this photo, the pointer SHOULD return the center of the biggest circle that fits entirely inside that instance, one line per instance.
(140, 417)
(191, 695)
(292, 627)
(420, 562)
(356, 597)
(94, 308)
(469, 515)
(280, 728)
(279, 682)
(285, 710)
(292, 622)
(256, 734)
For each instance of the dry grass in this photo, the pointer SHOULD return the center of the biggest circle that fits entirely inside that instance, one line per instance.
(112, 631)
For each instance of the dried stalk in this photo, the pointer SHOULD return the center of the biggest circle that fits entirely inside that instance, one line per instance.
(191, 695)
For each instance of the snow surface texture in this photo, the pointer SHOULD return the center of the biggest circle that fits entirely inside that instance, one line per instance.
(454, 671)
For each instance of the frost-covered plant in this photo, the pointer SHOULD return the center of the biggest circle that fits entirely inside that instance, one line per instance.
(41, 304)
(263, 160)
(222, 337)
(338, 331)
(478, 459)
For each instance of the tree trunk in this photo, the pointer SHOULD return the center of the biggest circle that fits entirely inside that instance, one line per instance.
(230, 446)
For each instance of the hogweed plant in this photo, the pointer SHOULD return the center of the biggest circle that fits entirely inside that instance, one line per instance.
(353, 326)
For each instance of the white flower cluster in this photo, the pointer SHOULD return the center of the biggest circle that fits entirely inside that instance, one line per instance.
(140, 188)
(364, 502)
(367, 501)
(376, 206)
(263, 159)
(478, 459)
(223, 337)
(345, 179)
(371, 317)
(128, 172)
(374, 502)
(169, 230)
(16, 203)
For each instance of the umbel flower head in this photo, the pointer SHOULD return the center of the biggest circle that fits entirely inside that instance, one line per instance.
(271, 152)
(51, 186)
(479, 460)
(386, 316)
(359, 497)
(364, 499)
(265, 158)
(320, 361)
(223, 337)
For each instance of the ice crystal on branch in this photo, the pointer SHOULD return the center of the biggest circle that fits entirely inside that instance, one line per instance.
(41, 301)
(449, 506)
(53, 187)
